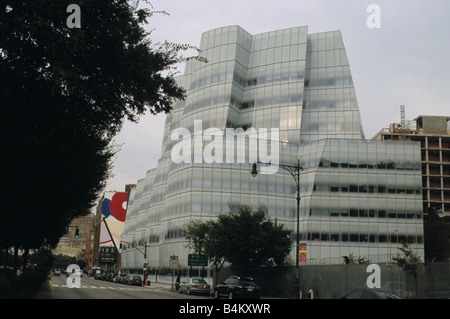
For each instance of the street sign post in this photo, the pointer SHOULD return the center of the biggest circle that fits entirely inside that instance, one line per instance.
(197, 260)
(173, 264)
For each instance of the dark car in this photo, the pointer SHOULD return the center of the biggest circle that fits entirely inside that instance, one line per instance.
(98, 275)
(110, 277)
(237, 287)
(370, 294)
(120, 278)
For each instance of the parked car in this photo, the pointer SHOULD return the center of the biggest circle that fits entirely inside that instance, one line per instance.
(134, 280)
(110, 277)
(104, 275)
(195, 286)
(120, 279)
(57, 272)
(370, 294)
(237, 287)
(98, 275)
(124, 279)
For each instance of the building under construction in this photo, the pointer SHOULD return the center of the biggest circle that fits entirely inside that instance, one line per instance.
(433, 134)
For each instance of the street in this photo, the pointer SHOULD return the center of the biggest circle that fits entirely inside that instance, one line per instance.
(98, 289)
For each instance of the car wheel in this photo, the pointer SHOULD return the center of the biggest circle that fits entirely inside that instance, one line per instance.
(216, 294)
(188, 292)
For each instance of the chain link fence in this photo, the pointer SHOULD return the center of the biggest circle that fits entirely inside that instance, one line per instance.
(333, 279)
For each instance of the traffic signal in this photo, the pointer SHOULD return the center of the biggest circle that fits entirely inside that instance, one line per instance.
(120, 247)
(76, 232)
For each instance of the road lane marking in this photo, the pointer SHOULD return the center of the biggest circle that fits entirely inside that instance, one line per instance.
(101, 287)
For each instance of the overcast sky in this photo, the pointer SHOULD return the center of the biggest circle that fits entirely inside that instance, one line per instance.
(405, 61)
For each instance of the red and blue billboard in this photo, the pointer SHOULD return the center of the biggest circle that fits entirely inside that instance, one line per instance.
(114, 211)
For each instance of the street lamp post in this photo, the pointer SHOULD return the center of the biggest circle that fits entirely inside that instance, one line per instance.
(295, 172)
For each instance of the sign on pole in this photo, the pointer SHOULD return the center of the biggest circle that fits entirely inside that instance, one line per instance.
(197, 260)
(302, 253)
(173, 262)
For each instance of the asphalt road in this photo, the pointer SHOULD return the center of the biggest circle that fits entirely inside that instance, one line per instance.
(98, 289)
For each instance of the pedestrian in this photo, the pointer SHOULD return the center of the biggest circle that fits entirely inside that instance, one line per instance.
(177, 282)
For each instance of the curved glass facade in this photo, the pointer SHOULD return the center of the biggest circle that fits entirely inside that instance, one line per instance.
(293, 93)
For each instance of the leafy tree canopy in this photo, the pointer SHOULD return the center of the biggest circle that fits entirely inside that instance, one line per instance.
(246, 239)
(65, 93)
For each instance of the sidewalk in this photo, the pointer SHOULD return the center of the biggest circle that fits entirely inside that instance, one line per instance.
(46, 291)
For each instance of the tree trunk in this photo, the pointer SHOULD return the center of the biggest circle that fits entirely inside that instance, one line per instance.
(16, 254)
(25, 258)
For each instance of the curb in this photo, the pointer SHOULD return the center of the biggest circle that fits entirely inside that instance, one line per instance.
(46, 291)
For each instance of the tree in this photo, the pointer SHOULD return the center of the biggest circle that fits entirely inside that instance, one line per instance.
(246, 239)
(44, 259)
(205, 238)
(409, 262)
(65, 93)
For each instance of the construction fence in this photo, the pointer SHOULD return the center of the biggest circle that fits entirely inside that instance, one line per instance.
(333, 281)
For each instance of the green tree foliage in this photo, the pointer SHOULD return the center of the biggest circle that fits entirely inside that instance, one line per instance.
(65, 93)
(409, 262)
(246, 239)
(44, 260)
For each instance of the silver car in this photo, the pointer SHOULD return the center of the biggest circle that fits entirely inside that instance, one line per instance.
(195, 286)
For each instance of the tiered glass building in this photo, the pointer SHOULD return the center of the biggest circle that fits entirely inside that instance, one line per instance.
(358, 197)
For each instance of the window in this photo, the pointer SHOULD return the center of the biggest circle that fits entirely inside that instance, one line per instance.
(334, 237)
(334, 188)
(381, 189)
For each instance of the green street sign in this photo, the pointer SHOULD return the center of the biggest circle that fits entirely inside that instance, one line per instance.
(197, 260)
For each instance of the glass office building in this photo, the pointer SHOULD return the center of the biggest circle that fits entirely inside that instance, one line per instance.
(291, 94)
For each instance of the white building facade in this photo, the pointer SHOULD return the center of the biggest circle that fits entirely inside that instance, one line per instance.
(293, 93)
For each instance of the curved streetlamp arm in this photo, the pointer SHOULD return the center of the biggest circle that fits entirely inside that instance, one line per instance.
(134, 246)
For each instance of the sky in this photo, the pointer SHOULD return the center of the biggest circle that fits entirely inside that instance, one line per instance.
(404, 60)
